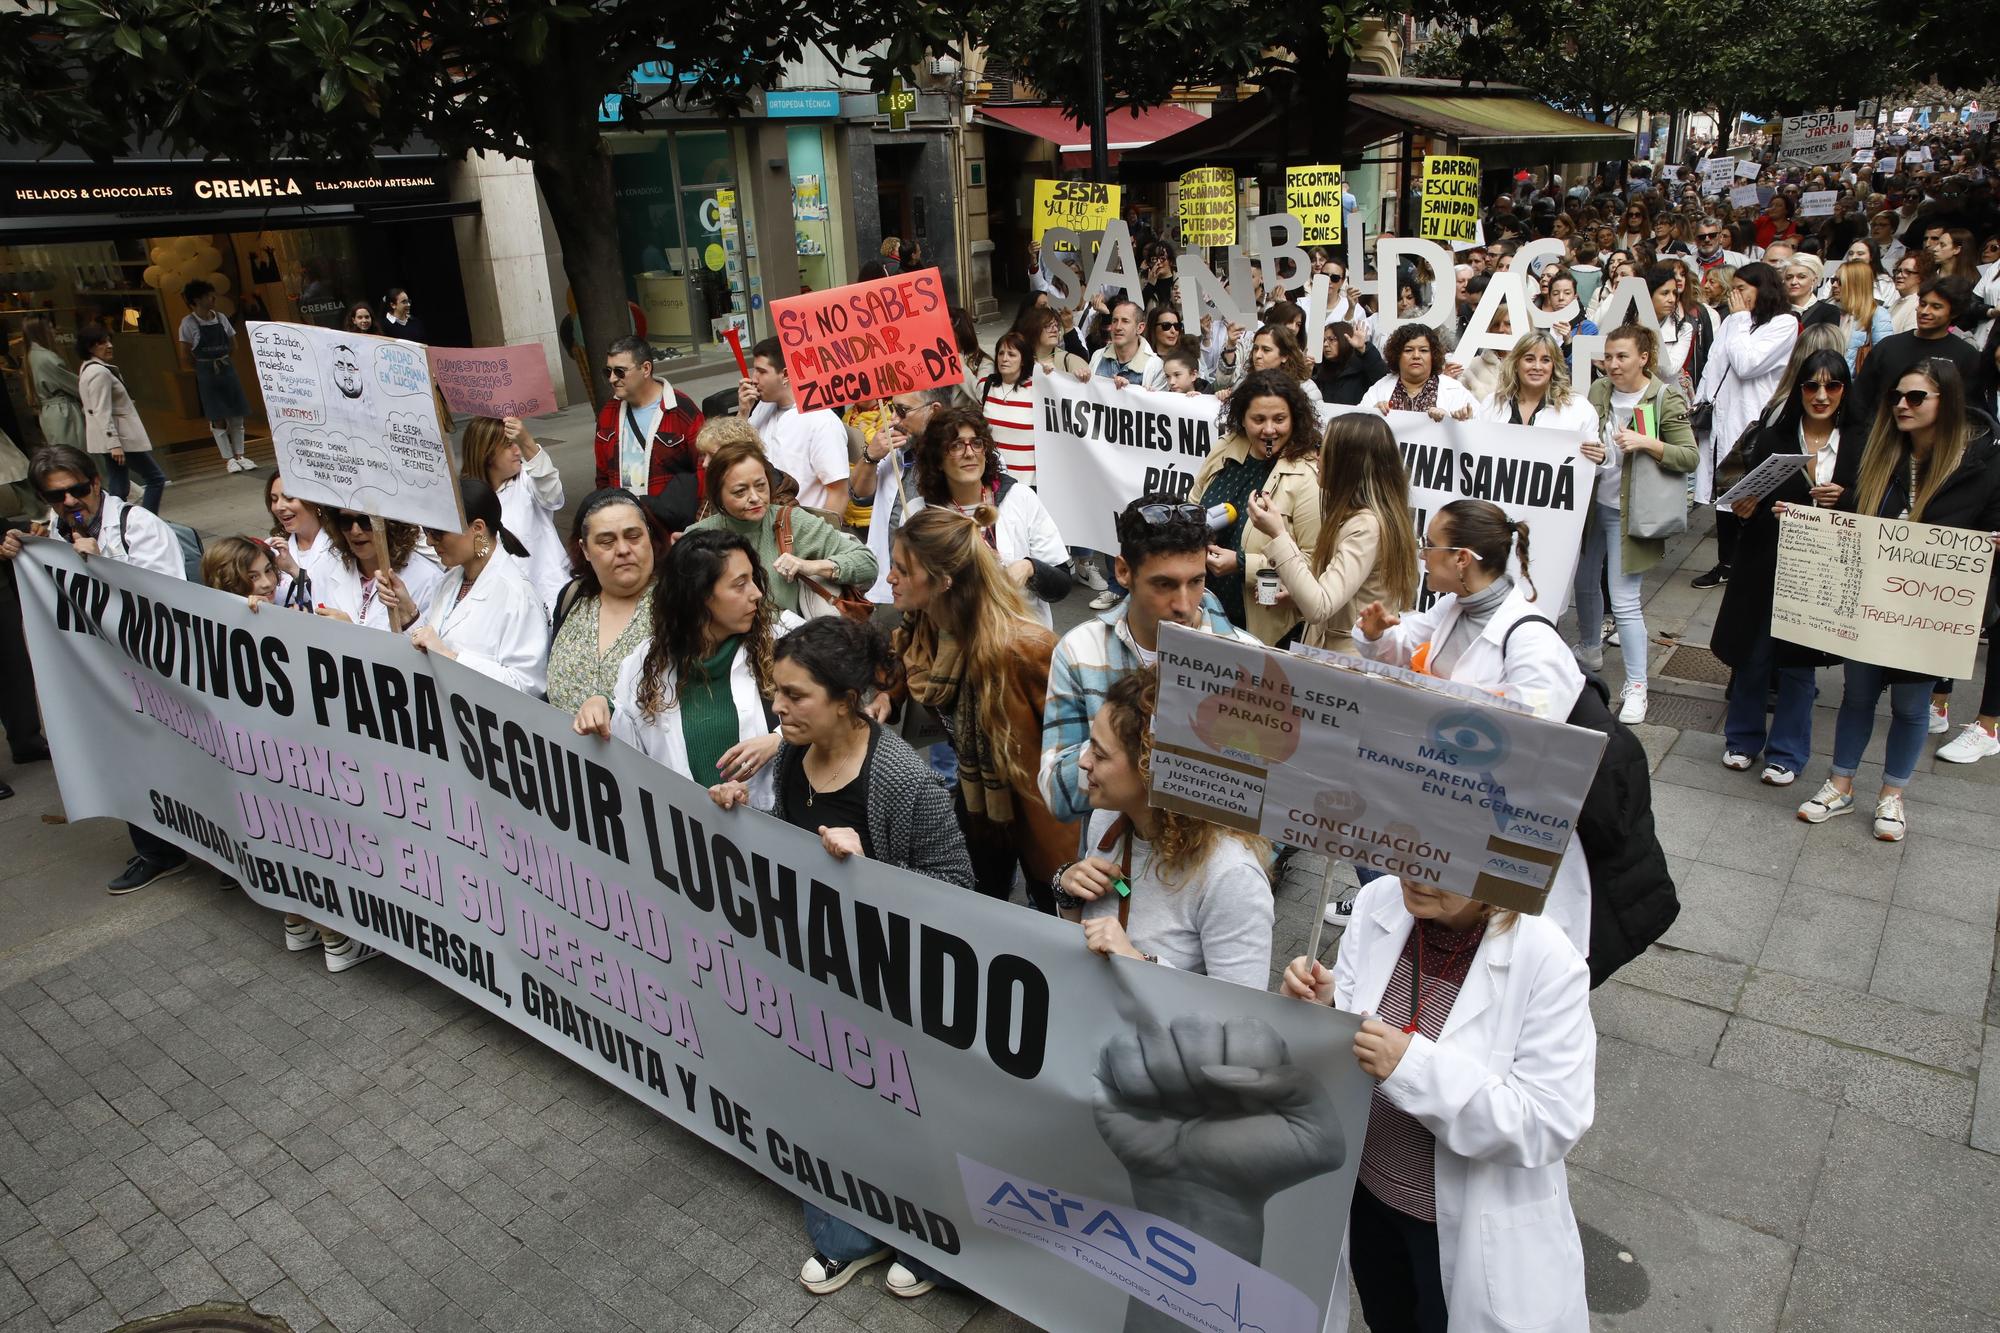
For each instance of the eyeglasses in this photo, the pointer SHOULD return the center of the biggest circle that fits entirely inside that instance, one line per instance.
(76, 492)
(1157, 514)
(1906, 273)
(1910, 397)
(1829, 388)
(1426, 546)
(971, 446)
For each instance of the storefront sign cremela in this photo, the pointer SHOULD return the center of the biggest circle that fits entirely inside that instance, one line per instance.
(43, 188)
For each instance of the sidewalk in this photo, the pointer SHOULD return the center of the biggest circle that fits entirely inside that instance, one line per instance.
(1792, 1132)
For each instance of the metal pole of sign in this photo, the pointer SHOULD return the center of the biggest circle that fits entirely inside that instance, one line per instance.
(1100, 141)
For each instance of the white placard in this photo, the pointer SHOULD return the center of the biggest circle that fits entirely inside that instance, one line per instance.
(1761, 480)
(1817, 203)
(1743, 196)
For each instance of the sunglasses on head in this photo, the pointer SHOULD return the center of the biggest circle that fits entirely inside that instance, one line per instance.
(1157, 514)
(76, 492)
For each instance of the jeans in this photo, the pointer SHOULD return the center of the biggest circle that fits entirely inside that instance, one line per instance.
(844, 1242)
(1788, 741)
(1394, 1258)
(1909, 722)
(139, 463)
(1602, 551)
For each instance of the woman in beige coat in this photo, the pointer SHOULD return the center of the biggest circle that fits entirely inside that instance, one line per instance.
(1367, 545)
(1270, 447)
(112, 431)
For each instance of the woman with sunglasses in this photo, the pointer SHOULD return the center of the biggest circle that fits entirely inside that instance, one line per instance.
(1930, 461)
(1814, 419)
(1635, 227)
(502, 453)
(1348, 364)
(395, 594)
(1343, 302)
(486, 615)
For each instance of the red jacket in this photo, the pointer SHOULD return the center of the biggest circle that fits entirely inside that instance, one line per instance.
(673, 442)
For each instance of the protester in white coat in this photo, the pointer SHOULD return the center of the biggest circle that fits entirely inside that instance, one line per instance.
(1745, 366)
(1486, 1084)
(1469, 635)
(501, 453)
(1533, 389)
(958, 468)
(486, 614)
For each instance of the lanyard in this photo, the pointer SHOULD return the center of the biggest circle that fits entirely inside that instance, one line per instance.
(1416, 980)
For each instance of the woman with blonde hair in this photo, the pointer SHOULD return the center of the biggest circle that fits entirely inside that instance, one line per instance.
(501, 453)
(1863, 321)
(970, 651)
(1197, 896)
(1366, 550)
(1534, 388)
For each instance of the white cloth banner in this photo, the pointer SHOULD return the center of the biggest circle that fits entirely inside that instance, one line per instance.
(1098, 447)
(1816, 139)
(893, 1049)
(354, 422)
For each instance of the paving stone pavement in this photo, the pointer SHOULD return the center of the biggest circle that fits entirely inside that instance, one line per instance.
(1795, 1126)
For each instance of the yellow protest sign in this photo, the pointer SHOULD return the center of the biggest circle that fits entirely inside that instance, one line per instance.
(1312, 195)
(1450, 194)
(1078, 205)
(1208, 207)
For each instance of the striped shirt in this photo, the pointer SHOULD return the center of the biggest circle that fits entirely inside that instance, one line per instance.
(1010, 415)
(1399, 1156)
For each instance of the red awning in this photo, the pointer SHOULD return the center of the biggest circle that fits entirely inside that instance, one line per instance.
(1123, 129)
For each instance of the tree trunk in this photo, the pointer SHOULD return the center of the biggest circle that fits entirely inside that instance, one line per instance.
(1322, 78)
(1725, 121)
(575, 179)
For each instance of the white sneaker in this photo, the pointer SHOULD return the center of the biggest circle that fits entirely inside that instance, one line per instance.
(1740, 762)
(1940, 720)
(1633, 710)
(1088, 574)
(1826, 803)
(902, 1282)
(1777, 775)
(1610, 632)
(1889, 822)
(823, 1276)
(1339, 911)
(344, 951)
(1970, 745)
(239, 464)
(301, 935)
(1105, 600)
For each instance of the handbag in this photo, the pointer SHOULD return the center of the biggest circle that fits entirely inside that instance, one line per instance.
(814, 598)
(1657, 500)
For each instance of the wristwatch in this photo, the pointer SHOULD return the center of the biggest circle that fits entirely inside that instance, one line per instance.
(1065, 901)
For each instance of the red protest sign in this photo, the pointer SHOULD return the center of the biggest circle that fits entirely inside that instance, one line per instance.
(867, 340)
(494, 381)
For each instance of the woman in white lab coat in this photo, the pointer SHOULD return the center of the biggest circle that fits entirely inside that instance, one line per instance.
(486, 615)
(506, 457)
(1461, 1210)
(1751, 350)
(1469, 635)
(312, 575)
(1534, 389)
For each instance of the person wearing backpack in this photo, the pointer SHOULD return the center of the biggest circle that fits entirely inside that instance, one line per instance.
(98, 523)
(1468, 636)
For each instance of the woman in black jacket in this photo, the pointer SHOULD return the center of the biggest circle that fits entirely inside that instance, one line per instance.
(1813, 420)
(1930, 461)
(1348, 364)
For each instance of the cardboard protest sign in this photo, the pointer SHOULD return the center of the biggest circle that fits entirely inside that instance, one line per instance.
(494, 381)
(1313, 196)
(1449, 207)
(895, 1050)
(1077, 205)
(1817, 203)
(1743, 196)
(1208, 207)
(867, 340)
(1099, 447)
(1815, 139)
(354, 422)
(1981, 120)
(1426, 779)
(1717, 173)
(1864, 136)
(1889, 591)
(1748, 171)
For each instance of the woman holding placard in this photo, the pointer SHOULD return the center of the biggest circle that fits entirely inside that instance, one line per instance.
(1928, 461)
(313, 575)
(1270, 445)
(1813, 419)
(1485, 630)
(1416, 381)
(1643, 448)
(486, 615)
(1366, 551)
(1478, 1028)
(1534, 389)
(502, 453)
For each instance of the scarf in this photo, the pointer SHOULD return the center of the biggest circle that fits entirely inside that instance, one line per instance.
(935, 671)
(1426, 397)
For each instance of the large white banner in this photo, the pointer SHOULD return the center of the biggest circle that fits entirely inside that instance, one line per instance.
(901, 1052)
(1098, 448)
(1816, 138)
(354, 422)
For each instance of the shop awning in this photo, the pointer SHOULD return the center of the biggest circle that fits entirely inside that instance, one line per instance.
(1124, 129)
(1501, 130)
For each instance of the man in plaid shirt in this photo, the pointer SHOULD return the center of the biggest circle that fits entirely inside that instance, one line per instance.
(645, 432)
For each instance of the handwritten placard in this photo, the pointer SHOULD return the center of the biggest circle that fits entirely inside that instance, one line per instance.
(1716, 174)
(494, 381)
(1816, 139)
(867, 340)
(1449, 208)
(1078, 205)
(1313, 196)
(1817, 203)
(1208, 207)
(1894, 592)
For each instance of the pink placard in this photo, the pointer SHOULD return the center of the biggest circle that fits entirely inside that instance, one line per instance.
(494, 381)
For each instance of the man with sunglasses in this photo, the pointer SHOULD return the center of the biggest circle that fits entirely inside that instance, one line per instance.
(646, 429)
(101, 524)
(1711, 247)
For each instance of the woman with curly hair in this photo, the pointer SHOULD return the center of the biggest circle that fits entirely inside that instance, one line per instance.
(958, 468)
(1416, 381)
(1199, 897)
(397, 597)
(696, 698)
(1270, 446)
(969, 651)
